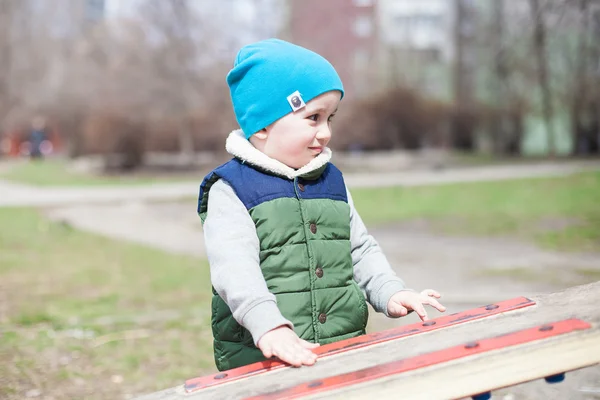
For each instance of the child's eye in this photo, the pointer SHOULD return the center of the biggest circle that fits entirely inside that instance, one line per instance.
(330, 117)
(314, 117)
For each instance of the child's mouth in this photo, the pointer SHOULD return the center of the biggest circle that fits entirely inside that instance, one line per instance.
(316, 149)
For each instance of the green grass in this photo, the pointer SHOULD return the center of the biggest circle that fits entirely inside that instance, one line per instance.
(55, 172)
(78, 312)
(589, 273)
(561, 213)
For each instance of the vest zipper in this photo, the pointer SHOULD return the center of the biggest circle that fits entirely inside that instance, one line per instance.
(311, 267)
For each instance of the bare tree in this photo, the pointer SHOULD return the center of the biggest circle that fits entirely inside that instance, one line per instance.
(501, 76)
(595, 55)
(6, 11)
(580, 97)
(584, 92)
(186, 48)
(464, 74)
(539, 48)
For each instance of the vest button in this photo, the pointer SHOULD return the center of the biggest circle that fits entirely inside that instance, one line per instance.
(301, 187)
(319, 272)
(322, 318)
(313, 228)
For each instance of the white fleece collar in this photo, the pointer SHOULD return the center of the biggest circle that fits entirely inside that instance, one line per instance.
(238, 146)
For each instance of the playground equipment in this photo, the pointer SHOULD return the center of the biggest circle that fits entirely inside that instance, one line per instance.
(463, 355)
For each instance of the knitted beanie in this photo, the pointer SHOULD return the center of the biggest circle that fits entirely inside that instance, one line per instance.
(273, 78)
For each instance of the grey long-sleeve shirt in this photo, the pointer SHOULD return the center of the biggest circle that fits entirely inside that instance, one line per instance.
(233, 253)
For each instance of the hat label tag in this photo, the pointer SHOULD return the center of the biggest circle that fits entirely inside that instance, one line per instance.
(296, 101)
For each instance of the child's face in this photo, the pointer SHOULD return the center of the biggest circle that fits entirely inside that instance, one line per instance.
(300, 136)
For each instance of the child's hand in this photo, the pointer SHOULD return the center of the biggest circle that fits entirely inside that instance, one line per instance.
(283, 343)
(403, 301)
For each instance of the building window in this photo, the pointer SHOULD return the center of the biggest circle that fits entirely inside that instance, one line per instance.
(363, 3)
(363, 26)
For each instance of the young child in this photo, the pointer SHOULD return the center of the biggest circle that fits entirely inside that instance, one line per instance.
(290, 257)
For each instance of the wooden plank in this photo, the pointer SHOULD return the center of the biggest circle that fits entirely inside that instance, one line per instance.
(446, 321)
(373, 375)
(485, 372)
(578, 302)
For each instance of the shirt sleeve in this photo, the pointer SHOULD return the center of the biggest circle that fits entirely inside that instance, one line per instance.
(232, 247)
(372, 271)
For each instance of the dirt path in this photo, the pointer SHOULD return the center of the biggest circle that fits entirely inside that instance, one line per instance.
(18, 195)
(470, 271)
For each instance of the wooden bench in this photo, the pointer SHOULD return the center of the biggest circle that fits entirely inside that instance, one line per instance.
(462, 355)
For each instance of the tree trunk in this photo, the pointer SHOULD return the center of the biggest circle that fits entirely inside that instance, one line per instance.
(539, 47)
(595, 95)
(579, 104)
(498, 127)
(462, 131)
(181, 10)
(6, 8)
(186, 143)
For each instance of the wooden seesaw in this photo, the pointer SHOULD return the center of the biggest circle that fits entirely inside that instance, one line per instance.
(467, 354)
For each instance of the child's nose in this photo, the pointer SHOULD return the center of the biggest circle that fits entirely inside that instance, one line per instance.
(324, 134)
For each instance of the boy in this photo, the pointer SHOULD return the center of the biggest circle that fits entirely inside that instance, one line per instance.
(289, 255)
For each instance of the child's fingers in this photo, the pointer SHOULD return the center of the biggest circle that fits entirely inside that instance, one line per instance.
(420, 310)
(435, 304)
(296, 355)
(289, 356)
(397, 310)
(267, 352)
(431, 293)
(304, 356)
(309, 359)
(306, 353)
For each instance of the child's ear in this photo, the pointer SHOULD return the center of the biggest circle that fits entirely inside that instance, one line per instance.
(262, 134)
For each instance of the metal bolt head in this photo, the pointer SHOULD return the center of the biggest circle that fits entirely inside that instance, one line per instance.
(490, 307)
(429, 323)
(221, 376)
(471, 345)
(545, 328)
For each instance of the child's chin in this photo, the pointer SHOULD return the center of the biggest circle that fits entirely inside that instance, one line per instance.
(301, 162)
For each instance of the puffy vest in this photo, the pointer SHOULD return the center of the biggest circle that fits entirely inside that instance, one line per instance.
(303, 226)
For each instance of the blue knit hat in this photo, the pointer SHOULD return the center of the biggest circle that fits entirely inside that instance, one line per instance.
(273, 78)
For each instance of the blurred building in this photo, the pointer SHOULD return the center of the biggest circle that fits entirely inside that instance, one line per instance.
(377, 43)
(424, 26)
(417, 44)
(344, 32)
(94, 10)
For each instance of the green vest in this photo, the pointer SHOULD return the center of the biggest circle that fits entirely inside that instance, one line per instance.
(303, 226)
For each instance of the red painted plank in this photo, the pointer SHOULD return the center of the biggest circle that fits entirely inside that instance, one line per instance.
(195, 384)
(426, 360)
